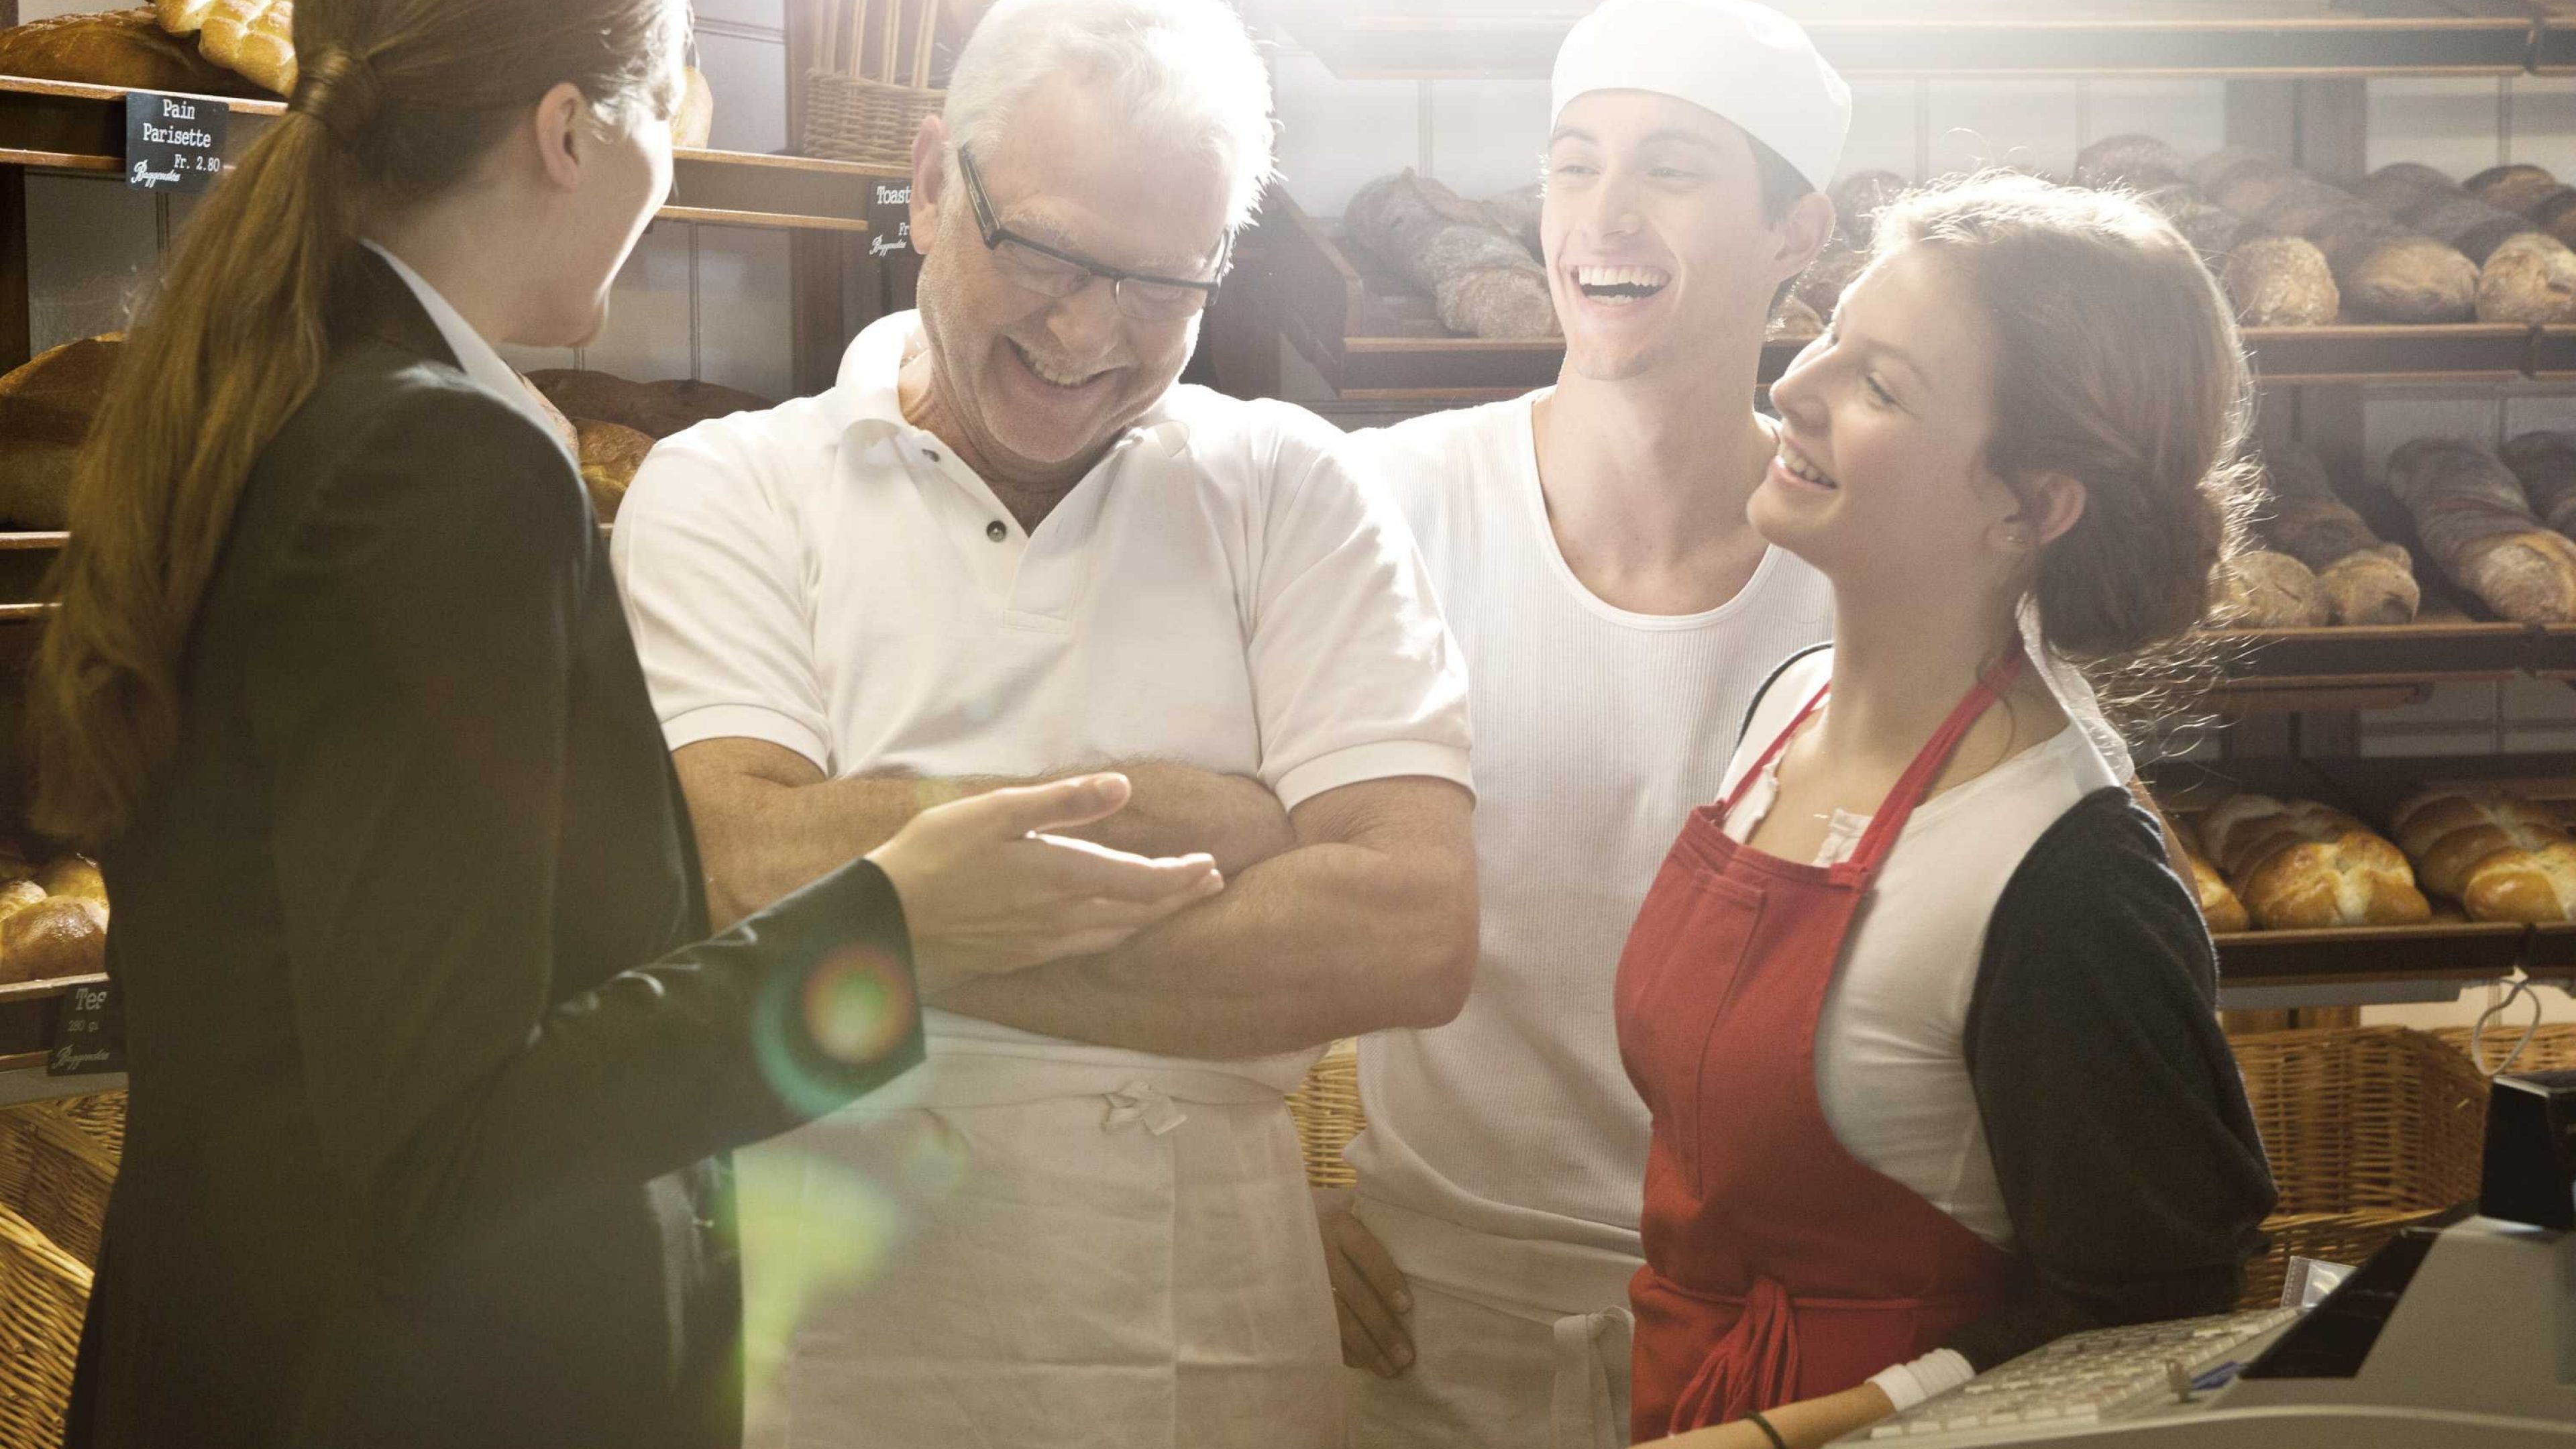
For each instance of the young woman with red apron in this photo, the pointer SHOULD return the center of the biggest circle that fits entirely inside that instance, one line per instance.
(1778, 1266)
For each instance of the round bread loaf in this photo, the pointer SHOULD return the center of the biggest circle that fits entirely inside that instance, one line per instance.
(2132, 161)
(2212, 231)
(2528, 278)
(2281, 281)
(17, 895)
(2219, 906)
(74, 875)
(54, 938)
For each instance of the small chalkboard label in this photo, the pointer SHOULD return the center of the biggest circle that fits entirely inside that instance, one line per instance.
(88, 1037)
(889, 218)
(173, 143)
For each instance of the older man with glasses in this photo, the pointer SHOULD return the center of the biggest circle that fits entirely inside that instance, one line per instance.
(1007, 547)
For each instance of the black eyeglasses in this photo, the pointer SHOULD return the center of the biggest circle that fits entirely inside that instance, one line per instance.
(1054, 272)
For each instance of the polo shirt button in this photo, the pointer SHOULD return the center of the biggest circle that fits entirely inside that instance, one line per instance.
(996, 531)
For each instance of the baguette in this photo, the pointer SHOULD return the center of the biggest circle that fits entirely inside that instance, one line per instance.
(1482, 282)
(2502, 857)
(46, 408)
(2544, 462)
(2480, 530)
(2259, 589)
(2383, 269)
(2365, 579)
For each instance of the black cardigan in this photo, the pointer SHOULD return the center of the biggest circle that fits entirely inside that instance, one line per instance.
(426, 1072)
(2116, 1117)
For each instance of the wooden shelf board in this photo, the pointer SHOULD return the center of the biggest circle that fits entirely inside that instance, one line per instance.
(1986, 38)
(45, 990)
(29, 542)
(2466, 951)
(64, 126)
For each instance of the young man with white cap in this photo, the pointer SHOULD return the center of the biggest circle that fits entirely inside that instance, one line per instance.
(1618, 614)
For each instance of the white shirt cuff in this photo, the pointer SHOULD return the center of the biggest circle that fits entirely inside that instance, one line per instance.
(1937, 1372)
(1385, 760)
(747, 722)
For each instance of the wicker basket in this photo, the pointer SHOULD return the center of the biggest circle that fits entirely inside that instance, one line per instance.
(55, 1177)
(864, 101)
(1327, 1109)
(101, 1116)
(2369, 1129)
(2552, 1048)
(43, 1293)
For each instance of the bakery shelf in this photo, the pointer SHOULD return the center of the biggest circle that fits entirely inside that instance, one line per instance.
(2437, 648)
(1426, 39)
(27, 1014)
(2462, 951)
(64, 126)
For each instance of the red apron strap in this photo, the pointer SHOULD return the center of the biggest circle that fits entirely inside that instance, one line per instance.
(1779, 742)
(1911, 787)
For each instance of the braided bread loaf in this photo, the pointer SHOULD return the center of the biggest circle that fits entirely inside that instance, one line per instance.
(2299, 865)
(2218, 903)
(2502, 857)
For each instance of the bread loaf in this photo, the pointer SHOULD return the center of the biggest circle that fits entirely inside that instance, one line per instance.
(655, 409)
(73, 875)
(2525, 275)
(17, 895)
(2300, 865)
(54, 938)
(2216, 233)
(2259, 589)
(2364, 579)
(610, 456)
(45, 411)
(2503, 857)
(2279, 281)
(1515, 214)
(1482, 282)
(2130, 161)
(696, 122)
(2383, 269)
(1858, 199)
(2479, 529)
(2531, 192)
(2218, 903)
(2544, 463)
(254, 39)
(123, 48)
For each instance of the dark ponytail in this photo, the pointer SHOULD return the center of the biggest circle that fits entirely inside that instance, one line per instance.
(397, 101)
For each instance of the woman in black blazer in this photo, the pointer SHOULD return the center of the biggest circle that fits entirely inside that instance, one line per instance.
(430, 1087)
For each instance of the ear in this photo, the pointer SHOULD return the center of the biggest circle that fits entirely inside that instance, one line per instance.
(561, 117)
(1803, 234)
(2051, 504)
(929, 180)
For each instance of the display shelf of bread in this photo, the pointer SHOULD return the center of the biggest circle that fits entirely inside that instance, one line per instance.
(1418, 39)
(2472, 877)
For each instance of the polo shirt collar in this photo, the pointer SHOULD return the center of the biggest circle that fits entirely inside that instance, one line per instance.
(868, 386)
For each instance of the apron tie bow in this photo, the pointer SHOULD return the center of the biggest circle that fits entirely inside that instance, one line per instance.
(1141, 1104)
(1754, 1365)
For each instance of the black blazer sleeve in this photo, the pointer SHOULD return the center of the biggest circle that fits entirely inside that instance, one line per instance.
(410, 706)
(2116, 1116)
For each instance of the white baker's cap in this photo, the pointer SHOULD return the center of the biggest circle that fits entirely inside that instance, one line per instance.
(1748, 63)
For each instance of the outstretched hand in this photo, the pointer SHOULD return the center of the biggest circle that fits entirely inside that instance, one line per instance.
(986, 890)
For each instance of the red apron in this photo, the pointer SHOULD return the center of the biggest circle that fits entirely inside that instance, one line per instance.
(1778, 1267)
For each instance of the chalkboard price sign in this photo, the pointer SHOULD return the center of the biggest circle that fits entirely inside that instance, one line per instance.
(88, 1034)
(173, 143)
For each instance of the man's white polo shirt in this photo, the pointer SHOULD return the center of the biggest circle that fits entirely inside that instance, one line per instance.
(1218, 592)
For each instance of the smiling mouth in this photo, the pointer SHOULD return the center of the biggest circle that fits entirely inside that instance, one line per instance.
(1050, 375)
(1795, 464)
(1618, 286)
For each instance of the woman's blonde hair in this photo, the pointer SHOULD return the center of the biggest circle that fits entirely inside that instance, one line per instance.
(398, 102)
(2117, 364)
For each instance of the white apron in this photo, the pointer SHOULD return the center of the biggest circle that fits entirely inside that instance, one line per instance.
(1012, 1250)
(1518, 1343)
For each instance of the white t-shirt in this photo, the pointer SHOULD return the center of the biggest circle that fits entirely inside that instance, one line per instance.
(1219, 592)
(1597, 731)
(1891, 1062)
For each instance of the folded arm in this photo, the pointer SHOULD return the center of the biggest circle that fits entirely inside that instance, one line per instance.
(1368, 923)
(768, 821)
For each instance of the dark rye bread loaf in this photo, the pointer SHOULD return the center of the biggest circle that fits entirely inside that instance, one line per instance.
(1482, 281)
(2479, 529)
(2365, 579)
(2525, 275)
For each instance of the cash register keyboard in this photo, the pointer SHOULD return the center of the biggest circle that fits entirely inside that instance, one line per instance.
(2087, 1378)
